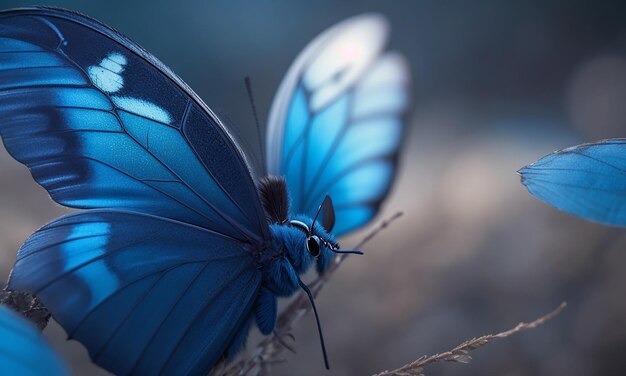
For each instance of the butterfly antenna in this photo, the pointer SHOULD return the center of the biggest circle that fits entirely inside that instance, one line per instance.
(316, 214)
(317, 319)
(256, 121)
(352, 252)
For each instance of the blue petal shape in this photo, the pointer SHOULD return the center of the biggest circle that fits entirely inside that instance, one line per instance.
(587, 180)
(144, 294)
(24, 351)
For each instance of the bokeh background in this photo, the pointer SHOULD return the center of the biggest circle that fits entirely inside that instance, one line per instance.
(496, 86)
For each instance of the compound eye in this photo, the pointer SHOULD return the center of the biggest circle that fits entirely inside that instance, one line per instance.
(313, 245)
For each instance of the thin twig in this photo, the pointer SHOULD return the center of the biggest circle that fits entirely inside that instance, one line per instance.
(317, 284)
(460, 353)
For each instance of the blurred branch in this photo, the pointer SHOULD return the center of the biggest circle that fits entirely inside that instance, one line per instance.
(460, 354)
(269, 351)
(27, 305)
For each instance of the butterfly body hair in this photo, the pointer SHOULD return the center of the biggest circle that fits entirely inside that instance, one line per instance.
(274, 198)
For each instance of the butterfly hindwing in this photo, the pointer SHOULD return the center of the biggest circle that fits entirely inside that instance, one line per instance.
(587, 180)
(337, 121)
(143, 293)
(101, 123)
(24, 351)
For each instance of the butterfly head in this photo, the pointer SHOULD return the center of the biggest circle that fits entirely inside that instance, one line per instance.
(316, 237)
(304, 242)
(301, 238)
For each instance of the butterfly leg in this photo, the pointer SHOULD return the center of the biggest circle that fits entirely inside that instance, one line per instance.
(265, 310)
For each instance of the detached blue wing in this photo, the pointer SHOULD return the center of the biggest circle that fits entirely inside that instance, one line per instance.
(24, 351)
(587, 180)
(101, 123)
(337, 122)
(146, 295)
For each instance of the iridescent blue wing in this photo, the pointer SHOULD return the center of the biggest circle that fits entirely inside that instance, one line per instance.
(337, 121)
(587, 180)
(101, 123)
(24, 351)
(163, 280)
(145, 294)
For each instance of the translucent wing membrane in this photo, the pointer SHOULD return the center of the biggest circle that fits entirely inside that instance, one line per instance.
(337, 121)
(103, 124)
(144, 294)
(24, 351)
(588, 180)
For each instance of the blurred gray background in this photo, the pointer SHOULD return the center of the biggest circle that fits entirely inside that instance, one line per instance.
(496, 86)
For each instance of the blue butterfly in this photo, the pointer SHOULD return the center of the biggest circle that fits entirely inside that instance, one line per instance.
(587, 180)
(24, 351)
(179, 249)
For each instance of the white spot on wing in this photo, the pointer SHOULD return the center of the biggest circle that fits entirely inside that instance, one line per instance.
(143, 108)
(111, 65)
(107, 75)
(118, 58)
(104, 79)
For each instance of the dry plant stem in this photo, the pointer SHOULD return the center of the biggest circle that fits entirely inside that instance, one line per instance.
(460, 353)
(269, 351)
(317, 284)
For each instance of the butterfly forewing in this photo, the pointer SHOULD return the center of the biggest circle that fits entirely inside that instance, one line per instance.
(103, 124)
(337, 121)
